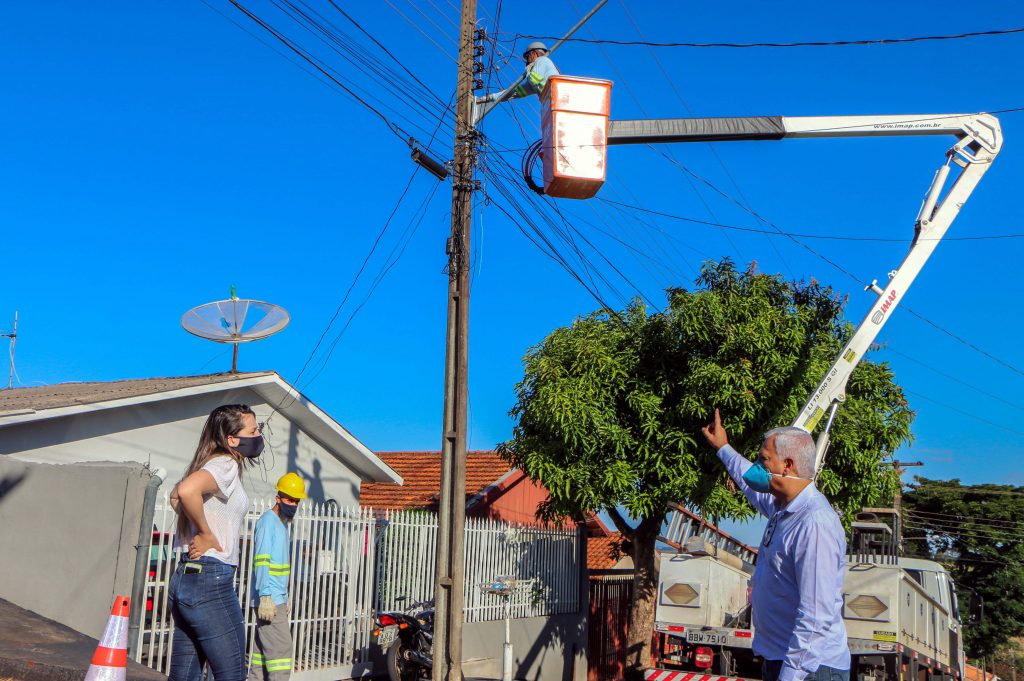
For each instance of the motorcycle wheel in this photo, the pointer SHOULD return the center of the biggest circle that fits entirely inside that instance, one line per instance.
(401, 669)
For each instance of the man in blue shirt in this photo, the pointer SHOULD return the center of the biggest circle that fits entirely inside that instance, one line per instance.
(539, 68)
(797, 601)
(271, 566)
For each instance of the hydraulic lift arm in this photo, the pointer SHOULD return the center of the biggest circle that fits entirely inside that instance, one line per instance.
(979, 140)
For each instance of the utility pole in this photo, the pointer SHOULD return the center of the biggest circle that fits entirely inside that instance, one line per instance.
(900, 468)
(450, 566)
(13, 335)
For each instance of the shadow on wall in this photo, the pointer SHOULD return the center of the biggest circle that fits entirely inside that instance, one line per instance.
(314, 479)
(564, 636)
(9, 482)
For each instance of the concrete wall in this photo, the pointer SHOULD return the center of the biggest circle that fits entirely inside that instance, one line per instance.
(545, 648)
(68, 535)
(164, 434)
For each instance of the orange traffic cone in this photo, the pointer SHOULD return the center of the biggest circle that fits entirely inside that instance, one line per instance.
(110, 661)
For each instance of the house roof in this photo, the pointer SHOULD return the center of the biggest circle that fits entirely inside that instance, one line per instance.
(421, 472)
(604, 553)
(71, 394)
(22, 405)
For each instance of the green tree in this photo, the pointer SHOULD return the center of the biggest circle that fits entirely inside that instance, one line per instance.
(609, 411)
(977, 532)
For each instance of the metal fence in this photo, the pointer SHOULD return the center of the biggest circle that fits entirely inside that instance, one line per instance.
(330, 587)
(549, 557)
(346, 562)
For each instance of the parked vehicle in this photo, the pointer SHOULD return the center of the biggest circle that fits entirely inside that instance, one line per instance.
(407, 638)
(901, 614)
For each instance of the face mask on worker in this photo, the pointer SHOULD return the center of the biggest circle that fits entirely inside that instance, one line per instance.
(287, 511)
(250, 447)
(759, 478)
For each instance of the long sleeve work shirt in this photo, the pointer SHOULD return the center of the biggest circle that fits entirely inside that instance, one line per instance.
(271, 562)
(797, 596)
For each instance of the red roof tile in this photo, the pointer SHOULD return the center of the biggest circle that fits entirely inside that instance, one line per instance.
(421, 472)
(604, 552)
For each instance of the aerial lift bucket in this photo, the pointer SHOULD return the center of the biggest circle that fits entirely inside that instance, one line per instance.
(574, 121)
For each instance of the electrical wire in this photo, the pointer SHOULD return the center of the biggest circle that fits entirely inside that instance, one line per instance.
(957, 516)
(974, 490)
(804, 235)
(969, 415)
(951, 520)
(954, 378)
(349, 50)
(396, 129)
(424, 33)
(396, 254)
(816, 43)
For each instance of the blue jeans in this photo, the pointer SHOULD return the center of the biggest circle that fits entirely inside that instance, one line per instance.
(770, 670)
(209, 629)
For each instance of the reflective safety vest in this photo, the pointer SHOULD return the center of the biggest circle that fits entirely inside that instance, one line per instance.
(271, 562)
(537, 75)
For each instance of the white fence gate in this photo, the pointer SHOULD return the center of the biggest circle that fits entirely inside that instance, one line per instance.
(550, 557)
(347, 562)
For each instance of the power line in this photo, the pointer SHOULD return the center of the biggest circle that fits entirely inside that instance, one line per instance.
(803, 235)
(952, 519)
(396, 129)
(711, 147)
(932, 485)
(953, 378)
(417, 27)
(962, 412)
(396, 254)
(842, 269)
(972, 346)
(359, 273)
(816, 43)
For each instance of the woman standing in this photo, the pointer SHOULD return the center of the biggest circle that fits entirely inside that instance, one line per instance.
(211, 506)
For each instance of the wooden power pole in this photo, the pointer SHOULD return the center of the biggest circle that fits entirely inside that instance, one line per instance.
(450, 570)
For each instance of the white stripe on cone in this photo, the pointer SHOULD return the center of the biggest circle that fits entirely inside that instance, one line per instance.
(115, 639)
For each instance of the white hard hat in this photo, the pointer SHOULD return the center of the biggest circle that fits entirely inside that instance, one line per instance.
(535, 45)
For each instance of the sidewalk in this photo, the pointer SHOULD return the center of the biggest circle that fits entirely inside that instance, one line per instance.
(34, 648)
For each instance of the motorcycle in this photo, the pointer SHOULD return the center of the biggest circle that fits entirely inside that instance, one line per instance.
(407, 636)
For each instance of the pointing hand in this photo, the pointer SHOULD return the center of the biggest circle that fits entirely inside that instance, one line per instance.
(715, 433)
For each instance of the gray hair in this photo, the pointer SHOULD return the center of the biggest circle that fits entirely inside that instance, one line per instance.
(796, 444)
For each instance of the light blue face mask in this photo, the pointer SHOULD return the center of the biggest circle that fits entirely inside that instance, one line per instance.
(759, 478)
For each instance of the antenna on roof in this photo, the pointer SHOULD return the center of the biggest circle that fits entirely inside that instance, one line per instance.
(236, 320)
(13, 335)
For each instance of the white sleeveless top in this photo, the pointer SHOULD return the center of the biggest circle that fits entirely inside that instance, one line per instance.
(225, 511)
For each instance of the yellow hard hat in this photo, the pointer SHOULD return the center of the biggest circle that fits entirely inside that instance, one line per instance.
(292, 485)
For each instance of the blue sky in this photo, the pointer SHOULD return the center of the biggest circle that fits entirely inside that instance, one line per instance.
(156, 154)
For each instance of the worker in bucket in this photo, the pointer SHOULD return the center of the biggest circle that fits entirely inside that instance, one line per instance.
(539, 68)
(271, 564)
(797, 601)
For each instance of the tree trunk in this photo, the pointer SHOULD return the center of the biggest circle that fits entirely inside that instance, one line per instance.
(645, 592)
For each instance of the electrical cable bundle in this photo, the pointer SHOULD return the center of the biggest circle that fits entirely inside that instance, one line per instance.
(529, 161)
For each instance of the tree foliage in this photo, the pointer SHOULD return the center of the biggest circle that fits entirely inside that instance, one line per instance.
(610, 408)
(609, 411)
(977, 531)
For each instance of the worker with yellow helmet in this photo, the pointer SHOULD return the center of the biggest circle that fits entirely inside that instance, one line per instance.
(272, 654)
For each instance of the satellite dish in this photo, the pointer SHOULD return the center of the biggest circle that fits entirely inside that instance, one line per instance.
(236, 320)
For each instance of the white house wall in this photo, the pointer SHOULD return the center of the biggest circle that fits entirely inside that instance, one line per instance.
(164, 433)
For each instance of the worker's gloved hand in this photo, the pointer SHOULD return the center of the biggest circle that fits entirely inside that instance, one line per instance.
(267, 609)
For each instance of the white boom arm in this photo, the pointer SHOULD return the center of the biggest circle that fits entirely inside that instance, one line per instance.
(979, 140)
